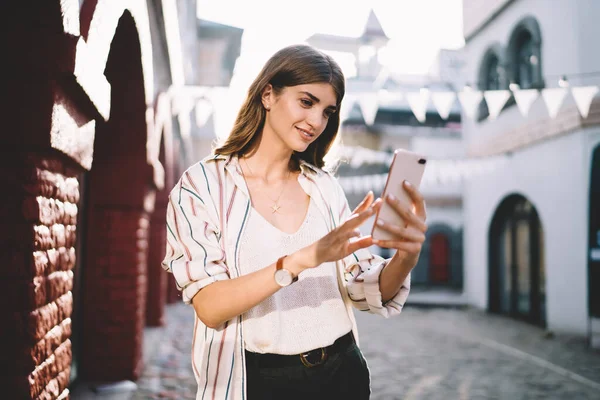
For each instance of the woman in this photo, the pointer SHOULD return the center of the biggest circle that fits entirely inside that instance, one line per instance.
(263, 245)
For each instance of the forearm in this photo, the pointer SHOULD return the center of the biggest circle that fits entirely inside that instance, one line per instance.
(393, 276)
(224, 300)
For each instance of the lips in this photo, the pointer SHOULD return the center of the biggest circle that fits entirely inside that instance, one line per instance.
(306, 135)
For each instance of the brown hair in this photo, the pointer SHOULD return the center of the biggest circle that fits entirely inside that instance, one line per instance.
(290, 66)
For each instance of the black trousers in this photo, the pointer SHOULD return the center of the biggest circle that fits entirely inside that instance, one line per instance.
(343, 376)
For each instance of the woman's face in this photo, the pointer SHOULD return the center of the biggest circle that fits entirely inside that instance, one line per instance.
(299, 114)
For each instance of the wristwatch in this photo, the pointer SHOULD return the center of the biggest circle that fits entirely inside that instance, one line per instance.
(283, 277)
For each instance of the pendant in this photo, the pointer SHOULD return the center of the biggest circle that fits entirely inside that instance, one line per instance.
(275, 207)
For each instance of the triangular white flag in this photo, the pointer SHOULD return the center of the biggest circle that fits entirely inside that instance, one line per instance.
(203, 111)
(554, 98)
(469, 100)
(387, 97)
(368, 106)
(346, 108)
(418, 103)
(495, 99)
(525, 99)
(583, 98)
(443, 102)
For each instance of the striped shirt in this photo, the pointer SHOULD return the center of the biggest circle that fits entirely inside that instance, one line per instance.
(206, 217)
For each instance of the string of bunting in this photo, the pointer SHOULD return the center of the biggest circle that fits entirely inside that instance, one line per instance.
(470, 99)
(440, 173)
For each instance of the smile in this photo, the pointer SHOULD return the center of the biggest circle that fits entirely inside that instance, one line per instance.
(305, 134)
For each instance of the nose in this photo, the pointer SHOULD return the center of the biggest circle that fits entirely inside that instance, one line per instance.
(316, 120)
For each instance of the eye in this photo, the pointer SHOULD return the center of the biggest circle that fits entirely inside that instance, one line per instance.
(306, 102)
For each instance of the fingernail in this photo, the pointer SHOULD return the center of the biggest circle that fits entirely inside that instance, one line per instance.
(380, 222)
(407, 183)
(392, 197)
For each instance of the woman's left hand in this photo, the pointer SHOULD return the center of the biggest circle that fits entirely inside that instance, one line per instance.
(407, 240)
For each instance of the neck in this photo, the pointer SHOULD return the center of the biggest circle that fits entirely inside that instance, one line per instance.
(270, 160)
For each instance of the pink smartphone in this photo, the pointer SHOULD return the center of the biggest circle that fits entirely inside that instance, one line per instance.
(406, 165)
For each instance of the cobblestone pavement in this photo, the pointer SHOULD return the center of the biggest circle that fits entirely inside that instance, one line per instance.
(423, 354)
(168, 374)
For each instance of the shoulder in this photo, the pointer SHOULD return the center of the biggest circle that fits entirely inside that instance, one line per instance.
(326, 180)
(202, 176)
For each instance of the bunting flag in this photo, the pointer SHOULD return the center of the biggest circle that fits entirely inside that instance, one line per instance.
(443, 102)
(346, 108)
(525, 98)
(369, 104)
(495, 99)
(203, 111)
(583, 98)
(554, 98)
(469, 100)
(387, 97)
(418, 103)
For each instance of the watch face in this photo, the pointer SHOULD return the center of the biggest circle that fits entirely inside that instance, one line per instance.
(283, 277)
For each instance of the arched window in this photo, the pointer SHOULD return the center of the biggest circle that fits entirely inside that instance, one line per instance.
(526, 61)
(492, 74)
(524, 54)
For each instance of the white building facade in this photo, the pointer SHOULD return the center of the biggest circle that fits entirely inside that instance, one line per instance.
(379, 120)
(532, 227)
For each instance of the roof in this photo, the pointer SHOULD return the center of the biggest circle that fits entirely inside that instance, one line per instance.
(373, 27)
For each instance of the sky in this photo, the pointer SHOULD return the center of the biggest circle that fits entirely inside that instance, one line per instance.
(417, 30)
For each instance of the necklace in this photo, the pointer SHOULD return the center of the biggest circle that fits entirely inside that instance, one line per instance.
(275, 207)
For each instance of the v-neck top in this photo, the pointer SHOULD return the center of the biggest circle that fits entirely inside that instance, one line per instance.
(309, 313)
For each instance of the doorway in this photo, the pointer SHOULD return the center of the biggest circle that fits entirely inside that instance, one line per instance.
(516, 261)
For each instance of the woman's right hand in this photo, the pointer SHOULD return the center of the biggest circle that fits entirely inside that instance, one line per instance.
(337, 245)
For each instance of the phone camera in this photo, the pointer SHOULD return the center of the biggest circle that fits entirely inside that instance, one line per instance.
(422, 161)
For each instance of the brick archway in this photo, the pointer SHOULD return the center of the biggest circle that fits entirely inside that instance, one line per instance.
(120, 199)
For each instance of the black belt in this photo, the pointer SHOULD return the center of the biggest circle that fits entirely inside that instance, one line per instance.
(309, 359)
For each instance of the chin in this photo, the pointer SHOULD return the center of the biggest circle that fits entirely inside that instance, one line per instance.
(300, 148)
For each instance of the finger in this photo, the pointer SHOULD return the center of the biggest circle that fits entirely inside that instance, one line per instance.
(406, 234)
(377, 204)
(352, 234)
(409, 247)
(406, 213)
(360, 244)
(358, 219)
(365, 203)
(417, 199)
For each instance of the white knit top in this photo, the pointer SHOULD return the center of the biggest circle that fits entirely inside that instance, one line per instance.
(309, 313)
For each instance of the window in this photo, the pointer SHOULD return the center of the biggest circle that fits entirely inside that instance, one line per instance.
(526, 61)
(524, 55)
(492, 75)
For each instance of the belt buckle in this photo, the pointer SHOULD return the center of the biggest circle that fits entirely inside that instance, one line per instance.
(309, 363)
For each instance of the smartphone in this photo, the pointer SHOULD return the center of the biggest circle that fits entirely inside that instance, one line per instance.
(406, 165)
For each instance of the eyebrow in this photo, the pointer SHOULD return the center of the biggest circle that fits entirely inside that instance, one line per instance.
(316, 100)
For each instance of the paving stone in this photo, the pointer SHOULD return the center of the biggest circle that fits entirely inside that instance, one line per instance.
(423, 354)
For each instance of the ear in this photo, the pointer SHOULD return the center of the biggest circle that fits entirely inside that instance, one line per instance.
(267, 96)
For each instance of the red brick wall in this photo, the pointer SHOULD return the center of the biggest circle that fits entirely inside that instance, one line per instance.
(38, 214)
(114, 292)
(157, 276)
